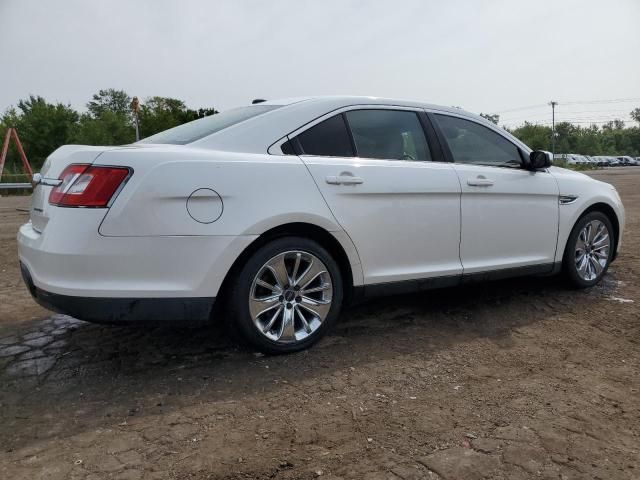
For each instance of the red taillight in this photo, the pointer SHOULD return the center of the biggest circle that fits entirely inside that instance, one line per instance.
(87, 186)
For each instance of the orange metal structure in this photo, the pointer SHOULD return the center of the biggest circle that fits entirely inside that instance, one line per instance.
(12, 133)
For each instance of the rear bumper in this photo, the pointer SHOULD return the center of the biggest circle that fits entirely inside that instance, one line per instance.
(122, 310)
(70, 258)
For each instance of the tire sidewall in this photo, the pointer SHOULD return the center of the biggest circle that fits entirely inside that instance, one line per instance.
(569, 254)
(239, 304)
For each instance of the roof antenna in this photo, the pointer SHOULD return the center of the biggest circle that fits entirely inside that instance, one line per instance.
(257, 100)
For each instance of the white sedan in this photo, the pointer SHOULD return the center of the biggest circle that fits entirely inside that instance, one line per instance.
(283, 211)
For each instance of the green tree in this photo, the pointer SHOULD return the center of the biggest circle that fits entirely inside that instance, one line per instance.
(613, 138)
(108, 120)
(109, 128)
(190, 115)
(42, 127)
(111, 100)
(161, 113)
(535, 136)
(634, 141)
(566, 137)
(613, 125)
(588, 140)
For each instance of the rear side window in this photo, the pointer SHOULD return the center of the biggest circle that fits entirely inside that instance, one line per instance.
(328, 138)
(388, 134)
(471, 142)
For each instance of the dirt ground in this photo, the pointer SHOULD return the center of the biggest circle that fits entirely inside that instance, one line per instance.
(507, 380)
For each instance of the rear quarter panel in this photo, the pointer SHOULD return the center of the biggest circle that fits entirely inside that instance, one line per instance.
(258, 192)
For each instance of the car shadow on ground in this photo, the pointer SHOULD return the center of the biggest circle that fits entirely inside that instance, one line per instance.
(114, 370)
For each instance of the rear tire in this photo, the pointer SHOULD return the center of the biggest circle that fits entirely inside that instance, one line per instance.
(287, 295)
(589, 250)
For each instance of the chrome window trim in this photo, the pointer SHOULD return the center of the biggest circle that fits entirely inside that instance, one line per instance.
(490, 126)
(338, 111)
(503, 133)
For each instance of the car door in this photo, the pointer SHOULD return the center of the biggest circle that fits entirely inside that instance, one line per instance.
(375, 169)
(509, 214)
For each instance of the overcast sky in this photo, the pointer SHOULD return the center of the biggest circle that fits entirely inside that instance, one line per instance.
(485, 56)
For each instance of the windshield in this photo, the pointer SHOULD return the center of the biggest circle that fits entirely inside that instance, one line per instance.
(192, 131)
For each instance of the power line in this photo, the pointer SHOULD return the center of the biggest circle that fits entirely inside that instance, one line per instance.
(568, 112)
(592, 117)
(571, 118)
(588, 122)
(595, 102)
(577, 102)
(565, 117)
(531, 107)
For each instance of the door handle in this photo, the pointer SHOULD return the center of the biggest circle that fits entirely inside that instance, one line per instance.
(343, 180)
(479, 182)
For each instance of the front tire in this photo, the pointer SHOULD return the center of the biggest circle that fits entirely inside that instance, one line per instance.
(287, 295)
(589, 250)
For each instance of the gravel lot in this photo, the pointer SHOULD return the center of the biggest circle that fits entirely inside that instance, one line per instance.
(517, 379)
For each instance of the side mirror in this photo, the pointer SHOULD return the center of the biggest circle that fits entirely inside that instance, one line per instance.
(539, 159)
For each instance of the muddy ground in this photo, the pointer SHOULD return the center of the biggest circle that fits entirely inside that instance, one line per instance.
(516, 379)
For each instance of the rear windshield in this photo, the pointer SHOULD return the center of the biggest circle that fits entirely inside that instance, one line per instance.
(192, 131)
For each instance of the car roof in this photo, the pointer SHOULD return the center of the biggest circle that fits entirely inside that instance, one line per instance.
(347, 100)
(257, 134)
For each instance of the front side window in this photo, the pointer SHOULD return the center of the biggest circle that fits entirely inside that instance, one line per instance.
(471, 142)
(328, 138)
(388, 134)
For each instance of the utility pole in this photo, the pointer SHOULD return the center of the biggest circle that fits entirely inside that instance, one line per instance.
(553, 127)
(135, 106)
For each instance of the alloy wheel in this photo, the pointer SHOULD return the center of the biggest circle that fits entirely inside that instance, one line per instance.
(290, 296)
(592, 250)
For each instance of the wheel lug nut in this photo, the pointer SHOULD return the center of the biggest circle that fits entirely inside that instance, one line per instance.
(281, 298)
(298, 299)
(289, 305)
(296, 288)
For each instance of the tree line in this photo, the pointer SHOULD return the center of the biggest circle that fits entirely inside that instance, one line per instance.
(612, 138)
(108, 120)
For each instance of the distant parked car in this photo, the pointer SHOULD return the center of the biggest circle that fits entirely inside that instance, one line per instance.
(627, 160)
(608, 161)
(583, 159)
(573, 160)
(592, 160)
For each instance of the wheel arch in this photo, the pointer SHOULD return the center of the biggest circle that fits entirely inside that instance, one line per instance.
(302, 229)
(611, 215)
